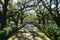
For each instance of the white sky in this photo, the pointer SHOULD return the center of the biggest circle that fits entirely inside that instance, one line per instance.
(31, 3)
(15, 1)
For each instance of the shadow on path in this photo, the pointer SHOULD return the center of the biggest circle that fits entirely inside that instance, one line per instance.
(29, 32)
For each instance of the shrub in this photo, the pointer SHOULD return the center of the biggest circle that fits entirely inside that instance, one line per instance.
(53, 33)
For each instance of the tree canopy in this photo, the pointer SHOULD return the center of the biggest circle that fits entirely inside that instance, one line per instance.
(17, 10)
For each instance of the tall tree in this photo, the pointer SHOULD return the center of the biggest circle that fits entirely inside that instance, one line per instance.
(24, 6)
(3, 14)
(53, 11)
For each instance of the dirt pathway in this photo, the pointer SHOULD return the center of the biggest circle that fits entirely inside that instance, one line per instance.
(29, 32)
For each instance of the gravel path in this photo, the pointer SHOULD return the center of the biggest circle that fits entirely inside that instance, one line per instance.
(29, 32)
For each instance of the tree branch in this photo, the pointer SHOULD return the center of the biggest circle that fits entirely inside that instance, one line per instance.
(47, 8)
(1, 2)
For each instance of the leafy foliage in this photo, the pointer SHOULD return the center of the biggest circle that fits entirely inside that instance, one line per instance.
(8, 31)
(53, 33)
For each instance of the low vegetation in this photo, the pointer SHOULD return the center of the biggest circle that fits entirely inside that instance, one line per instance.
(9, 31)
(52, 33)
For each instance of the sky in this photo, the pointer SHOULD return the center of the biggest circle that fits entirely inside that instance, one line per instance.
(15, 1)
(31, 2)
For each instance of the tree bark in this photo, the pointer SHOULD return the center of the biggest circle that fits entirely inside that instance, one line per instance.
(57, 20)
(3, 14)
(21, 20)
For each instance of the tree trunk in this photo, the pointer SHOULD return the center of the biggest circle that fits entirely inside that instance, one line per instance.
(3, 24)
(2, 21)
(43, 21)
(39, 21)
(3, 14)
(16, 23)
(21, 21)
(57, 20)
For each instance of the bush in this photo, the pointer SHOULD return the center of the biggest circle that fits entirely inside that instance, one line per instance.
(53, 33)
(9, 31)
(2, 33)
(58, 38)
